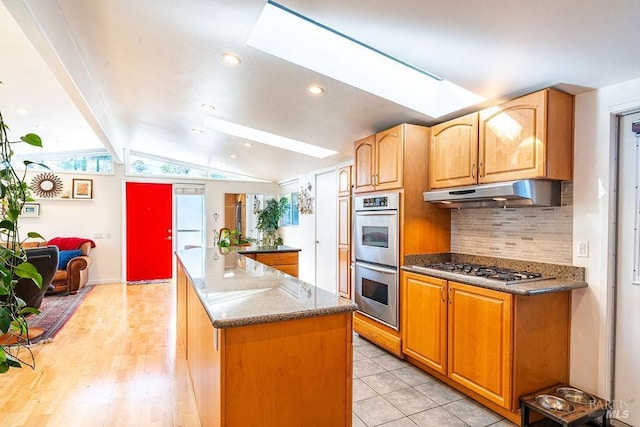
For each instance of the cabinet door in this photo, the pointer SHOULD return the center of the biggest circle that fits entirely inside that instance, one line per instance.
(344, 221)
(480, 341)
(513, 140)
(344, 272)
(389, 159)
(424, 331)
(364, 152)
(453, 156)
(344, 181)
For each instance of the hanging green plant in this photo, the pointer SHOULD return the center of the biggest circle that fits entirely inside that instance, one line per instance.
(14, 192)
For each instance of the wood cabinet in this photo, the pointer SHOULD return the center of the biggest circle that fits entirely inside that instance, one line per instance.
(454, 152)
(424, 309)
(270, 374)
(344, 232)
(494, 346)
(379, 161)
(344, 181)
(528, 137)
(382, 335)
(283, 261)
(479, 341)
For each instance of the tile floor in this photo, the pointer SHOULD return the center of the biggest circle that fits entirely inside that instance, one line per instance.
(390, 392)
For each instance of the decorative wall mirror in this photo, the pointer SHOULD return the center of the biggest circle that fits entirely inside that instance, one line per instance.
(46, 185)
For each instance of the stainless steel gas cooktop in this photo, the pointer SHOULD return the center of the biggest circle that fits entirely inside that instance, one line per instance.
(505, 276)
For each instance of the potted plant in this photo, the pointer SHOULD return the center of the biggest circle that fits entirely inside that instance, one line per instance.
(14, 192)
(269, 221)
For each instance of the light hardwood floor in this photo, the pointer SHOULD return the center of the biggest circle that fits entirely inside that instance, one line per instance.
(117, 362)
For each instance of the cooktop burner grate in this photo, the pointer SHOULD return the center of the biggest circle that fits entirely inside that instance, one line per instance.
(503, 275)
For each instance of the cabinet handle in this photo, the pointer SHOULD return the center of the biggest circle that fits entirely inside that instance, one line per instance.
(449, 295)
(473, 171)
(442, 291)
(374, 178)
(481, 170)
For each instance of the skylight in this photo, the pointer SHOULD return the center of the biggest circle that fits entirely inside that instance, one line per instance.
(266, 138)
(298, 39)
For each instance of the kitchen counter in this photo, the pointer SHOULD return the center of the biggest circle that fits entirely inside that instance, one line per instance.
(565, 278)
(265, 249)
(237, 291)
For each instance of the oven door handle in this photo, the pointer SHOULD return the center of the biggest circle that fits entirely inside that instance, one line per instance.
(376, 268)
(377, 213)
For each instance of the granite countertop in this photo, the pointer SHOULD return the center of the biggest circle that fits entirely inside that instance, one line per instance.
(265, 249)
(238, 291)
(565, 277)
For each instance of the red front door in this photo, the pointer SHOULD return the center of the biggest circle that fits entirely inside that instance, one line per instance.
(149, 245)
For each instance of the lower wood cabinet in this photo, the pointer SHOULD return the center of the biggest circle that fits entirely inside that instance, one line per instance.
(287, 373)
(378, 333)
(283, 261)
(492, 345)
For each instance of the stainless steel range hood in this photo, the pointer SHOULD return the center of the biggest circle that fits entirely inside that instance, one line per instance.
(530, 192)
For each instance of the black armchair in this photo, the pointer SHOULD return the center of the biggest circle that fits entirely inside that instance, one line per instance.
(45, 260)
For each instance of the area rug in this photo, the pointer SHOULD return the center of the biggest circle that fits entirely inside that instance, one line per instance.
(55, 311)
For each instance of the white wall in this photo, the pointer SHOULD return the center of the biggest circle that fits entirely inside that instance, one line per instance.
(303, 235)
(100, 216)
(103, 216)
(594, 200)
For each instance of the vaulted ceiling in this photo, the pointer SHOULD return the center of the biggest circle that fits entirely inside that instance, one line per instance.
(133, 74)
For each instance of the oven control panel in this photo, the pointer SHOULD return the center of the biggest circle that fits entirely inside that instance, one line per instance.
(375, 202)
(389, 201)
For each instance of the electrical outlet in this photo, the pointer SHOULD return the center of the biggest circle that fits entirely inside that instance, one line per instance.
(97, 235)
(582, 249)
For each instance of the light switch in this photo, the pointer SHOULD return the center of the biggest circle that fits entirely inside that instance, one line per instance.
(583, 249)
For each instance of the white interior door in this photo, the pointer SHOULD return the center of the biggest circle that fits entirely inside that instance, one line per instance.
(326, 232)
(627, 337)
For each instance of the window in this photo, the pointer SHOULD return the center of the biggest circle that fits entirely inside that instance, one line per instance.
(143, 164)
(291, 215)
(96, 161)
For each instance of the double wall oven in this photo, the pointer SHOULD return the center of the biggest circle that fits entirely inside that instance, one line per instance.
(377, 256)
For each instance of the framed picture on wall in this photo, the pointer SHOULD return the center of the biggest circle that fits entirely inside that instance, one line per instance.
(82, 188)
(30, 209)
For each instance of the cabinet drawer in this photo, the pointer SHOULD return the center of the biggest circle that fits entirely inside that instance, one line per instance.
(290, 269)
(281, 258)
(383, 338)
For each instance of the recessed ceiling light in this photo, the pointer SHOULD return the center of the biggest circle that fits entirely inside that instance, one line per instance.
(198, 131)
(233, 156)
(316, 90)
(41, 126)
(231, 59)
(248, 144)
(302, 41)
(21, 110)
(266, 138)
(208, 108)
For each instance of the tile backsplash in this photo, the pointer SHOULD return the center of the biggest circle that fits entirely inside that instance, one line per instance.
(529, 234)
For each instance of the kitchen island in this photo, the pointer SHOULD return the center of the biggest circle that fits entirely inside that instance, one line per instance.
(262, 347)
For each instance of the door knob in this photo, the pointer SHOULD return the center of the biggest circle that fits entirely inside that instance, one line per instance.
(317, 241)
(168, 238)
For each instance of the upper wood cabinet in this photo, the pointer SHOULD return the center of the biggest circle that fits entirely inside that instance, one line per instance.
(344, 181)
(454, 152)
(379, 161)
(528, 137)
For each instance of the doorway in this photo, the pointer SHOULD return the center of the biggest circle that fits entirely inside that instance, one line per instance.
(626, 376)
(326, 231)
(190, 224)
(149, 231)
